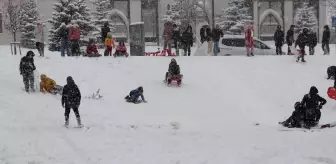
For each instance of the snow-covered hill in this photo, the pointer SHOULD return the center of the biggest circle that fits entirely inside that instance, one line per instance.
(209, 120)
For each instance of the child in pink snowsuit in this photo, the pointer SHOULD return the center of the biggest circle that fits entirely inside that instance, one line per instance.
(249, 41)
(121, 50)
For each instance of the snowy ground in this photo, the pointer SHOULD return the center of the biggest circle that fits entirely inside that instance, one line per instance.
(209, 120)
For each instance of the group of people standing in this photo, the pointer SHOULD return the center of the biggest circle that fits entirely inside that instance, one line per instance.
(69, 36)
(306, 38)
(212, 37)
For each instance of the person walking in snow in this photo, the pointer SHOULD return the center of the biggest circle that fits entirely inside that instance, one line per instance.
(71, 99)
(104, 30)
(249, 43)
(279, 37)
(208, 38)
(176, 38)
(65, 45)
(301, 41)
(326, 40)
(74, 37)
(39, 38)
(312, 43)
(217, 33)
(187, 40)
(27, 68)
(290, 39)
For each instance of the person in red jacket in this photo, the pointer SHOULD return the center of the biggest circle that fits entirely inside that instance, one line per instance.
(74, 37)
(249, 41)
(121, 50)
(91, 49)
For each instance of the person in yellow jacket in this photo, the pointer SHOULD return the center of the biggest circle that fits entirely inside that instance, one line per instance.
(49, 85)
(109, 45)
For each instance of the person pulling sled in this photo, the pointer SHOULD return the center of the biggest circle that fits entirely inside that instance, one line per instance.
(71, 98)
(134, 95)
(173, 73)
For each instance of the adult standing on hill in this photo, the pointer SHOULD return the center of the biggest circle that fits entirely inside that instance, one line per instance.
(326, 40)
(217, 33)
(187, 40)
(27, 68)
(290, 39)
(279, 37)
(104, 30)
(176, 37)
(209, 39)
(39, 38)
(74, 37)
(65, 45)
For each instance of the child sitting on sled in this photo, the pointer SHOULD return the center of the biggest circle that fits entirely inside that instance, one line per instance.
(49, 85)
(121, 50)
(134, 96)
(173, 73)
(109, 45)
(91, 49)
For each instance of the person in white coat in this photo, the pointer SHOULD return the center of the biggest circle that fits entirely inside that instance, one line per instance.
(39, 38)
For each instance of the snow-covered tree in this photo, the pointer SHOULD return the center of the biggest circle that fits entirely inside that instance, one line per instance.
(100, 16)
(181, 12)
(11, 13)
(305, 17)
(234, 18)
(67, 11)
(29, 15)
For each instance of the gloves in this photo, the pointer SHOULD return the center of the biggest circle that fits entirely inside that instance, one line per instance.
(320, 107)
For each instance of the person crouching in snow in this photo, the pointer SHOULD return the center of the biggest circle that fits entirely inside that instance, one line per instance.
(91, 49)
(121, 50)
(173, 71)
(109, 45)
(296, 120)
(71, 98)
(49, 85)
(27, 68)
(134, 96)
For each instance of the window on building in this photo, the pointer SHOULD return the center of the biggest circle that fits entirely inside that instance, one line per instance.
(0, 22)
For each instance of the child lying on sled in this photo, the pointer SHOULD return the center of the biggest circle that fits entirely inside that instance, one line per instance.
(49, 85)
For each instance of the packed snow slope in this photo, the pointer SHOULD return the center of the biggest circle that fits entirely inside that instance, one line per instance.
(210, 119)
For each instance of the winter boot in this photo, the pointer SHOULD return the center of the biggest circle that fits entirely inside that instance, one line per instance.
(79, 123)
(66, 124)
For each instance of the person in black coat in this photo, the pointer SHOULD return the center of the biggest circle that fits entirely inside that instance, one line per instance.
(187, 40)
(176, 37)
(279, 37)
(326, 40)
(290, 39)
(312, 43)
(208, 38)
(71, 99)
(331, 72)
(301, 41)
(313, 103)
(65, 43)
(217, 33)
(202, 34)
(296, 120)
(104, 30)
(173, 70)
(27, 68)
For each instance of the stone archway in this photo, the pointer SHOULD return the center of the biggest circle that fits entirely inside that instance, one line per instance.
(269, 20)
(270, 12)
(116, 12)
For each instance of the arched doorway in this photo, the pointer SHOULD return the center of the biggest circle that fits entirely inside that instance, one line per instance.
(120, 21)
(269, 21)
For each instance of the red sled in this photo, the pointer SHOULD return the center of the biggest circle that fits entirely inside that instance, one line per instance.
(160, 53)
(331, 93)
(176, 78)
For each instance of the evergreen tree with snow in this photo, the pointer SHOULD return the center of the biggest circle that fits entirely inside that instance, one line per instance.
(29, 15)
(234, 18)
(305, 17)
(67, 11)
(181, 12)
(100, 16)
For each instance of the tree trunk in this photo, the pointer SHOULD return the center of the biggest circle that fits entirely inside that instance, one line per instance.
(14, 36)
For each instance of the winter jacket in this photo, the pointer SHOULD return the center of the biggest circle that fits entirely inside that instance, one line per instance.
(104, 31)
(39, 34)
(167, 32)
(249, 38)
(208, 34)
(279, 37)
(134, 95)
(27, 66)
(91, 49)
(71, 96)
(217, 34)
(121, 47)
(174, 68)
(74, 32)
(47, 84)
(187, 38)
(176, 36)
(326, 36)
(290, 36)
(313, 101)
(109, 42)
(313, 40)
(302, 40)
(63, 32)
(202, 33)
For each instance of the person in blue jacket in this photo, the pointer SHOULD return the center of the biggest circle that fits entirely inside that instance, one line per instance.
(134, 96)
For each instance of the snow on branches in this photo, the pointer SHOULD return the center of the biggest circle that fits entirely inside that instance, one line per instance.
(11, 13)
(305, 17)
(29, 16)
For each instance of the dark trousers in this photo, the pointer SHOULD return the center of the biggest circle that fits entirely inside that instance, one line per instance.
(303, 52)
(325, 47)
(67, 112)
(28, 80)
(75, 48)
(65, 46)
(176, 46)
(187, 49)
(278, 49)
(289, 52)
(311, 50)
(40, 48)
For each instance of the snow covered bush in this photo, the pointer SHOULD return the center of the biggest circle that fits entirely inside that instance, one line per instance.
(67, 11)
(234, 18)
(305, 17)
(29, 15)
(181, 12)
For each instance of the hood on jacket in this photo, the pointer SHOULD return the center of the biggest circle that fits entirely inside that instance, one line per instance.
(43, 77)
(30, 54)
(313, 90)
(70, 80)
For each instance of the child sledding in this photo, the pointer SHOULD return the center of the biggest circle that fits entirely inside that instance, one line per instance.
(307, 113)
(91, 49)
(48, 85)
(134, 95)
(173, 73)
(121, 50)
